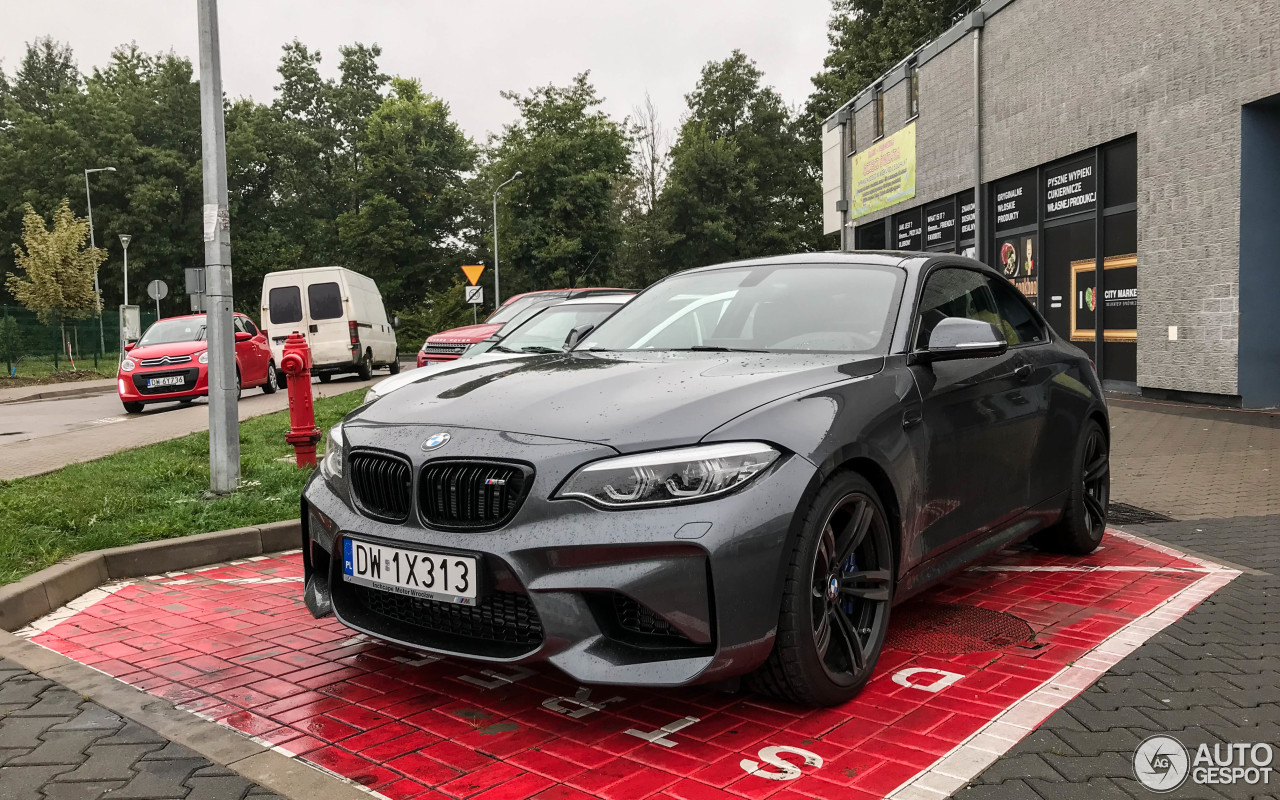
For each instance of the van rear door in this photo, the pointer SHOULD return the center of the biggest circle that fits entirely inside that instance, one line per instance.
(329, 333)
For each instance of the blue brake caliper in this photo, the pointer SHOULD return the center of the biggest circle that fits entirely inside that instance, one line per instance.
(850, 565)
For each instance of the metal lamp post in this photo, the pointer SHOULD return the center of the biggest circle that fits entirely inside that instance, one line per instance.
(88, 201)
(124, 242)
(497, 290)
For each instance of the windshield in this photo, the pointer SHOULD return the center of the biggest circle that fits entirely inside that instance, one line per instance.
(819, 308)
(168, 331)
(546, 332)
(510, 310)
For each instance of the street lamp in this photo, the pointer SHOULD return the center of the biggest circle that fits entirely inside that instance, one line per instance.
(497, 290)
(124, 242)
(102, 339)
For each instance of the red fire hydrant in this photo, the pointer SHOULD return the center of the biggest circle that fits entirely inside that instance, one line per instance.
(303, 433)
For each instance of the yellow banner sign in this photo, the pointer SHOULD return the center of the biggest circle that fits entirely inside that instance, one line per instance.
(884, 174)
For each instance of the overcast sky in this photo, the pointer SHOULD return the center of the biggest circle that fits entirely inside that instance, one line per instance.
(465, 51)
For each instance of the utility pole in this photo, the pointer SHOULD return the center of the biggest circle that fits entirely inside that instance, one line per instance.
(497, 290)
(224, 422)
(88, 201)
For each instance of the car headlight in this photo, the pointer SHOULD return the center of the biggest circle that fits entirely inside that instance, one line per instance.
(127, 365)
(204, 357)
(331, 465)
(667, 477)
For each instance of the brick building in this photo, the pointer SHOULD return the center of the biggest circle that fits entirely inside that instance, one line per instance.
(1126, 155)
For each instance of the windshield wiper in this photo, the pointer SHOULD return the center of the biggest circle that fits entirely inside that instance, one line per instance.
(533, 348)
(715, 348)
(502, 349)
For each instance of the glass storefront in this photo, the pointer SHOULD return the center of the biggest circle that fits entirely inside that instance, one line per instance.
(1043, 232)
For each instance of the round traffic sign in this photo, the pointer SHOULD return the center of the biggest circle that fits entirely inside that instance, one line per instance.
(157, 290)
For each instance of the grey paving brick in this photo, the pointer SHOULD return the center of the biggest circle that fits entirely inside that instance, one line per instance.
(54, 702)
(24, 731)
(1023, 765)
(217, 788)
(23, 689)
(171, 750)
(1008, 790)
(133, 733)
(92, 717)
(79, 790)
(25, 782)
(160, 780)
(61, 747)
(109, 763)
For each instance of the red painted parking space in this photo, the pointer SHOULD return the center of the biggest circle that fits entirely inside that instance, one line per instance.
(969, 669)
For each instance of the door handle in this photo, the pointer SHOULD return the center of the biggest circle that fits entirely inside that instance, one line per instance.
(911, 417)
(1022, 372)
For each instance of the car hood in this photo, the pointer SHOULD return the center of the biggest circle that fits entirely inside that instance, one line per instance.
(389, 385)
(171, 349)
(465, 335)
(629, 401)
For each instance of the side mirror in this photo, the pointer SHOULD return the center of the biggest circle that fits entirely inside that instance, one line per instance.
(959, 337)
(242, 336)
(395, 322)
(129, 345)
(577, 335)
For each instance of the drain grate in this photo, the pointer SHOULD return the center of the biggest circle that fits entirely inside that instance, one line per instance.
(1125, 514)
(925, 627)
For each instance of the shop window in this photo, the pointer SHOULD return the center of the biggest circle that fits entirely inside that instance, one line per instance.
(913, 89)
(871, 236)
(1120, 180)
(878, 109)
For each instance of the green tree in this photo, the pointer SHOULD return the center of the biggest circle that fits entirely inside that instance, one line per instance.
(743, 182)
(559, 222)
(57, 268)
(412, 196)
(868, 37)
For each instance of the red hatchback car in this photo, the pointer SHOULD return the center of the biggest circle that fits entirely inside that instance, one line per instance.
(170, 362)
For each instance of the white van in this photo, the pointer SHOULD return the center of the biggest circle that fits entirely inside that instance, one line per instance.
(341, 314)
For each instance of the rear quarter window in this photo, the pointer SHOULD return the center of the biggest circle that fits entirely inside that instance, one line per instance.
(285, 303)
(325, 300)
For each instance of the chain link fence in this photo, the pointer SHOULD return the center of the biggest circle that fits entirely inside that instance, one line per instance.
(30, 348)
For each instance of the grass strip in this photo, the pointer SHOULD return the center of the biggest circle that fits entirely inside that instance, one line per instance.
(153, 492)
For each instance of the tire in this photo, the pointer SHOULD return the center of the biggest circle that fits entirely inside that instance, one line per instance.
(271, 385)
(365, 368)
(394, 366)
(1084, 520)
(325, 377)
(827, 643)
(282, 380)
(239, 386)
(186, 401)
(132, 407)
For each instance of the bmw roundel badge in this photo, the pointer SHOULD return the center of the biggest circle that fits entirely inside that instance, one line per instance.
(435, 441)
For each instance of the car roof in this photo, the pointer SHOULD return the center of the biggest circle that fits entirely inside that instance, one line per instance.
(911, 262)
(616, 299)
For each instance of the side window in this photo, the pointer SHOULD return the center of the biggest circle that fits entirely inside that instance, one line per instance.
(325, 300)
(249, 327)
(238, 324)
(285, 303)
(954, 292)
(1018, 322)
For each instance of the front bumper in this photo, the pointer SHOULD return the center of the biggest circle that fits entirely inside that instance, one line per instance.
(660, 596)
(132, 386)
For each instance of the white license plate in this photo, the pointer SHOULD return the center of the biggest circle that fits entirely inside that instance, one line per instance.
(438, 576)
(169, 380)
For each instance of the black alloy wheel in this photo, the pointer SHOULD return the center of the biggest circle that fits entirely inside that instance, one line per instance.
(850, 589)
(1084, 518)
(835, 606)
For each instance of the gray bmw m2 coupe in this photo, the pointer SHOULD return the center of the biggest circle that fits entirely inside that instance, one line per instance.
(738, 473)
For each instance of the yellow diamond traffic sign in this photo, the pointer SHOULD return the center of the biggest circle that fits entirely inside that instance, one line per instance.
(472, 271)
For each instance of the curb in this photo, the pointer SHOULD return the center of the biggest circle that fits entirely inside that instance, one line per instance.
(51, 588)
(53, 394)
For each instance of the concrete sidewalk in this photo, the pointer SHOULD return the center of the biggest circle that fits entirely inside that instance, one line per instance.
(52, 391)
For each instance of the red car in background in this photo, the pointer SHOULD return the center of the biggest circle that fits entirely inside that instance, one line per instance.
(448, 345)
(171, 362)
